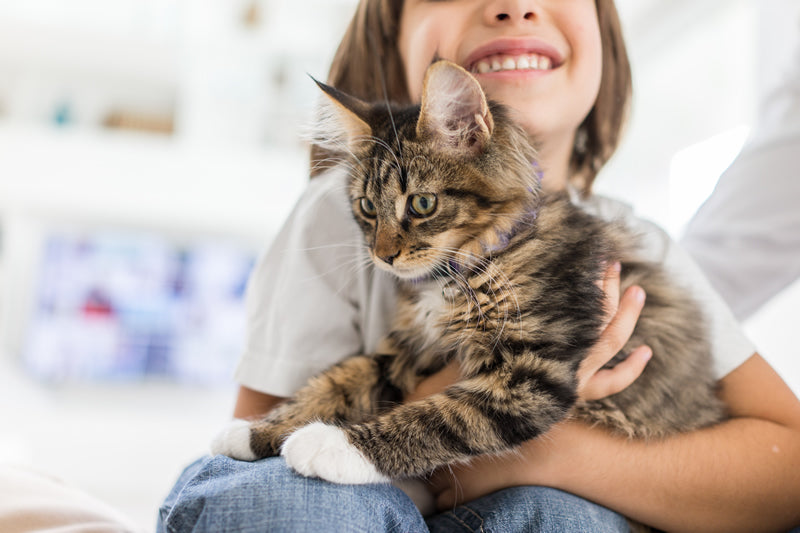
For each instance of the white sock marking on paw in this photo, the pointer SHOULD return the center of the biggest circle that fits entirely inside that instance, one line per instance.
(234, 441)
(320, 450)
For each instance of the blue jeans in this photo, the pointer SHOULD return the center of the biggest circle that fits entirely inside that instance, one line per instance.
(218, 494)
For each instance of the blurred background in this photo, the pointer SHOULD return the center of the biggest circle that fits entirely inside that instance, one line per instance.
(149, 150)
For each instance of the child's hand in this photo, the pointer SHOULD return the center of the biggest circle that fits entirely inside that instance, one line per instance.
(594, 382)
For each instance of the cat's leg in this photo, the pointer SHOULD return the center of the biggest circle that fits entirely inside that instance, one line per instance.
(490, 412)
(349, 391)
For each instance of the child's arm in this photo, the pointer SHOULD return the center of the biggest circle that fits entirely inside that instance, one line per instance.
(252, 403)
(741, 475)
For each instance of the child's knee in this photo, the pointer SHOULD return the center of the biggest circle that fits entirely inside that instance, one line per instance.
(229, 495)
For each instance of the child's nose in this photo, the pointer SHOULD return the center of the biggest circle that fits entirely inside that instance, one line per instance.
(509, 10)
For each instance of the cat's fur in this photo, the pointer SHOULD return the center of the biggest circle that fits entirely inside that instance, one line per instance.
(499, 277)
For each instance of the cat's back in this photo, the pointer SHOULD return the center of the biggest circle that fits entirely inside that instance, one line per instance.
(565, 240)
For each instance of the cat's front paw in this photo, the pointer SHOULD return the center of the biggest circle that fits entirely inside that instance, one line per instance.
(234, 441)
(321, 450)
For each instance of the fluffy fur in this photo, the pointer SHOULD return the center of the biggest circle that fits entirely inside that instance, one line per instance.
(494, 275)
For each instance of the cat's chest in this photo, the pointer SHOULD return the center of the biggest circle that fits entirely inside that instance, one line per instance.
(431, 310)
(439, 311)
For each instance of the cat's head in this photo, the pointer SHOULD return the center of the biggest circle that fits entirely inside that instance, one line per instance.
(441, 183)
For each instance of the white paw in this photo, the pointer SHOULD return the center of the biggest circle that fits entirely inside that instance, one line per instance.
(320, 450)
(234, 441)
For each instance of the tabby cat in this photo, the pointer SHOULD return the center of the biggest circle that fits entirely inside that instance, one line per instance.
(494, 274)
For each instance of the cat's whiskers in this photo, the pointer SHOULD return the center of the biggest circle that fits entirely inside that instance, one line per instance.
(499, 288)
(356, 265)
(341, 190)
(361, 265)
(329, 246)
(345, 147)
(465, 334)
(356, 262)
(380, 142)
(461, 283)
(507, 288)
(483, 269)
(421, 157)
(391, 116)
(334, 161)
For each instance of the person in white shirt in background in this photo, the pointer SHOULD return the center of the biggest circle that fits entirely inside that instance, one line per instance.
(746, 236)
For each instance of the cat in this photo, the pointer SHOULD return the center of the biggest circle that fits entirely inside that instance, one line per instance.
(492, 273)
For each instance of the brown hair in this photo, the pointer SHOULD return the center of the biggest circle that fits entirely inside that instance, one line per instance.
(367, 63)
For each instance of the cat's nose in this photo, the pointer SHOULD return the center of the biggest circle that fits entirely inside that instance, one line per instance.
(389, 259)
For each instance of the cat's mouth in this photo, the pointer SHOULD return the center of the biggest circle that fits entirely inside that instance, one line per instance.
(420, 270)
(443, 268)
(408, 273)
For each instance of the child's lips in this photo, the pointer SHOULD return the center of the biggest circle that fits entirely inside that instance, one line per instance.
(508, 62)
(513, 54)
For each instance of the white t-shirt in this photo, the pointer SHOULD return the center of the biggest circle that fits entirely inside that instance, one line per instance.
(314, 298)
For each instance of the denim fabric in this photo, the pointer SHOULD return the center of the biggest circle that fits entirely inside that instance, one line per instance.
(218, 494)
(529, 509)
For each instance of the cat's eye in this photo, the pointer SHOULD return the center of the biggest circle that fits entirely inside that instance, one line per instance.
(368, 208)
(423, 205)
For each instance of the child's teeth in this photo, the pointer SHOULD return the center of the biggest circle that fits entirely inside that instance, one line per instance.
(499, 63)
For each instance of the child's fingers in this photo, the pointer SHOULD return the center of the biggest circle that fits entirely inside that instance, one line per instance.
(618, 330)
(610, 286)
(611, 381)
(614, 337)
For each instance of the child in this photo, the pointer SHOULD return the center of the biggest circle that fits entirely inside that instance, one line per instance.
(310, 307)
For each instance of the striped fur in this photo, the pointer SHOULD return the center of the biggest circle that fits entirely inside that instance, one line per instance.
(500, 278)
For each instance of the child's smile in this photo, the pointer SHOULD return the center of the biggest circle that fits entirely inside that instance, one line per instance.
(519, 55)
(542, 58)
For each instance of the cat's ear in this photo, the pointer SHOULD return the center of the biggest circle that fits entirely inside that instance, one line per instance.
(454, 113)
(343, 122)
